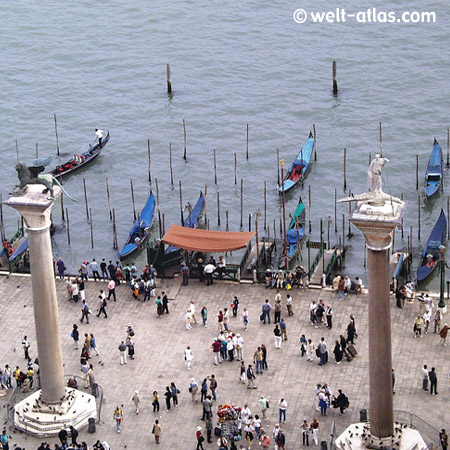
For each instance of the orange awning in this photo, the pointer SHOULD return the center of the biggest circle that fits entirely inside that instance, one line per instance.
(205, 240)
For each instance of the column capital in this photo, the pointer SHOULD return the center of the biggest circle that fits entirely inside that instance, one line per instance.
(34, 206)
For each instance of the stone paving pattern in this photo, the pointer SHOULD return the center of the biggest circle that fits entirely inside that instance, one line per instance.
(160, 344)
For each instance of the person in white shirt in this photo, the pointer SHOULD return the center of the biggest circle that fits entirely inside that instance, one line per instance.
(192, 308)
(188, 356)
(425, 378)
(282, 410)
(239, 347)
(221, 265)
(245, 319)
(245, 414)
(289, 305)
(187, 319)
(99, 134)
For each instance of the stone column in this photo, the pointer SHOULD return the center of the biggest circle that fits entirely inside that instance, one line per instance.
(35, 208)
(378, 235)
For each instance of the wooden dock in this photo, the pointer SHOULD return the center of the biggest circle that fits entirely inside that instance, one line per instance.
(329, 255)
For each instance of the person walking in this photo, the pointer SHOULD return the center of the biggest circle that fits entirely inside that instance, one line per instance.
(75, 290)
(82, 289)
(216, 345)
(112, 289)
(266, 308)
(433, 381)
(289, 305)
(118, 417)
(323, 350)
(281, 440)
(443, 335)
(310, 350)
(235, 306)
(123, 353)
(337, 352)
(204, 314)
(168, 395)
(258, 360)
(165, 301)
(264, 360)
(341, 288)
(155, 401)
(305, 432)
(75, 335)
(94, 344)
(156, 431)
(303, 344)
(63, 434)
(85, 312)
(265, 440)
(130, 346)
(443, 439)
(105, 275)
(277, 310)
(213, 386)
(277, 336)
(315, 427)
(264, 404)
(73, 437)
(102, 305)
(329, 316)
(239, 347)
(188, 356)
(209, 429)
(26, 347)
(200, 439)
(282, 410)
(61, 268)
(4, 440)
(207, 407)
(249, 431)
(174, 391)
(185, 274)
(250, 377)
(342, 402)
(94, 268)
(425, 377)
(136, 400)
(418, 324)
(245, 319)
(283, 329)
(193, 389)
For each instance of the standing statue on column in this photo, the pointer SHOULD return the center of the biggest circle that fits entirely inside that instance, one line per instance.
(374, 182)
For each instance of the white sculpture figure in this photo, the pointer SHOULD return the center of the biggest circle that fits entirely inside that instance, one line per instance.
(374, 182)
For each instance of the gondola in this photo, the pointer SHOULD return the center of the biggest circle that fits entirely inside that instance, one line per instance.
(140, 230)
(431, 255)
(434, 173)
(80, 160)
(298, 169)
(193, 218)
(295, 232)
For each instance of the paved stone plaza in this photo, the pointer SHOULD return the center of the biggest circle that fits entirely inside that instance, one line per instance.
(160, 345)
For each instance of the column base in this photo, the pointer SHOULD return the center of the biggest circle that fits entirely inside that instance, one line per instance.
(39, 419)
(358, 437)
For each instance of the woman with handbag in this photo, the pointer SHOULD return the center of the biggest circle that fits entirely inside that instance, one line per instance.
(200, 438)
(193, 389)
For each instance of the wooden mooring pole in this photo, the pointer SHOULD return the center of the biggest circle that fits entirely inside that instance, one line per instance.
(181, 203)
(315, 142)
(335, 86)
(335, 210)
(235, 168)
(226, 222)
(86, 198)
(278, 167)
(68, 227)
(418, 211)
(417, 172)
(170, 164)
(17, 151)
(381, 140)
(149, 162)
(132, 199)
(401, 198)
(246, 148)
(185, 141)
(109, 200)
(92, 228)
(56, 133)
(215, 168)
(37, 150)
(218, 209)
(345, 169)
(309, 208)
(265, 205)
(159, 210)
(242, 203)
(169, 82)
(206, 202)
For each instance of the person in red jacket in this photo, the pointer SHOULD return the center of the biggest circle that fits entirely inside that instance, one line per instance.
(200, 438)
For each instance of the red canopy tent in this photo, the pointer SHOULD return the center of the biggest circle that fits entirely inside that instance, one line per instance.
(205, 240)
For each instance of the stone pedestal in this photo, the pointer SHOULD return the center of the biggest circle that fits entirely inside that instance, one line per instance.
(54, 399)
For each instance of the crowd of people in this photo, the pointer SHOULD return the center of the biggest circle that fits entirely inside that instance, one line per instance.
(228, 347)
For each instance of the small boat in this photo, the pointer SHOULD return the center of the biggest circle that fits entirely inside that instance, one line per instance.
(80, 160)
(431, 255)
(141, 228)
(434, 173)
(295, 232)
(298, 169)
(193, 218)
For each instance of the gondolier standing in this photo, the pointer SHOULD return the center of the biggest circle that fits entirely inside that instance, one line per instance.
(99, 134)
